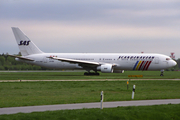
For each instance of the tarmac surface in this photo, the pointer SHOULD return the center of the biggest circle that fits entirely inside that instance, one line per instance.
(85, 80)
(29, 109)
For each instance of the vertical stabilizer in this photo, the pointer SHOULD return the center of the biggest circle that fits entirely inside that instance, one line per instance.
(26, 46)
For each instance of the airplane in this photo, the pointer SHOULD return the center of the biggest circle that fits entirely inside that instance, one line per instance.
(103, 62)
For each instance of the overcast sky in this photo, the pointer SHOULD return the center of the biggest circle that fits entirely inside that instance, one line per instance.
(93, 26)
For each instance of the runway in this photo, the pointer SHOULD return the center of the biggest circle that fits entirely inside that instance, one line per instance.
(29, 109)
(85, 80)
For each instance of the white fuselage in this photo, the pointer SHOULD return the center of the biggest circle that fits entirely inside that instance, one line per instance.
(123, 61)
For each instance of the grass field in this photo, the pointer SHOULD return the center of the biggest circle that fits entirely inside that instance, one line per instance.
(156, 112)
(15, 94)
(46, 93)
(80, 76)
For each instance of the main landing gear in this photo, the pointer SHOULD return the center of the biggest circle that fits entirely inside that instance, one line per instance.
(91, 73)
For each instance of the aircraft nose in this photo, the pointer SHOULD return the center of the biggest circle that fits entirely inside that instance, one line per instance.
(173, 63)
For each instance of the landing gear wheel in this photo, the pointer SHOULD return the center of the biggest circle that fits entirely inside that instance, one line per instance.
(86, 73)
(162, 73)
(89, 73)
(97, 73)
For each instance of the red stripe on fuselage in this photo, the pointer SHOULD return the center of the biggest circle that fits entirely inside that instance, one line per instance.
(145, 65)
(141, 65)
(148, 65)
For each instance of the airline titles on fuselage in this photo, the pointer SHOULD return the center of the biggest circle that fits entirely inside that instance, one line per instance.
(136, 57)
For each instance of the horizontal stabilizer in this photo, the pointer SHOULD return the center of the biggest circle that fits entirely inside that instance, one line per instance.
(23, 58)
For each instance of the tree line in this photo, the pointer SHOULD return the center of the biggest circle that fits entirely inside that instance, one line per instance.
(9, 63)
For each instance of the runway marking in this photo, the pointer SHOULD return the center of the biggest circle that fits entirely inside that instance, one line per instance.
(29, 109)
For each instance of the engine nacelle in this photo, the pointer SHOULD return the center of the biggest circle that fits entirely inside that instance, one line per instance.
(106, 68)
(17, 59)
(118, 71)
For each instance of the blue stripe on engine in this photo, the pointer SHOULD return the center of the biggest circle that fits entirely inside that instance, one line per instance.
(135, 65)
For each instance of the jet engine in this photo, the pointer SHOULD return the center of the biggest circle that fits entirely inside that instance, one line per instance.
(106, 68)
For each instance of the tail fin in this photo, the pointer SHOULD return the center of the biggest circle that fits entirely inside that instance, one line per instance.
(26, 46)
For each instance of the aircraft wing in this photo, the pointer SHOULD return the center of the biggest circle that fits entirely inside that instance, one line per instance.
(80, 62)
(22, 58)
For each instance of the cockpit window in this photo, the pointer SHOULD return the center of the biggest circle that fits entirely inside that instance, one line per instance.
(168, 58)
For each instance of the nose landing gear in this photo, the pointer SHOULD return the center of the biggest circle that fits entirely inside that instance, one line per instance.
(162, 73)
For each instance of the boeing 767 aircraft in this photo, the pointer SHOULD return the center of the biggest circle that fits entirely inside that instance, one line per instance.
(103, 62)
